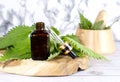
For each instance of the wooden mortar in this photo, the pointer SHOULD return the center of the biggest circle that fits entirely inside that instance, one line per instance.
(100, 41)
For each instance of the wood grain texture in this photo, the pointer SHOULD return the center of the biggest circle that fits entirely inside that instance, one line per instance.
(60, 66)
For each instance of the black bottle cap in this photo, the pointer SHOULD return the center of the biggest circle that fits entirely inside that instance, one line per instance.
(40, 25)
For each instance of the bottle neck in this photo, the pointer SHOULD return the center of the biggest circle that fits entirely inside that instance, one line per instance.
(40, 26)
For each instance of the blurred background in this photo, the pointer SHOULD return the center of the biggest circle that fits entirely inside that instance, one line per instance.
(62, 14)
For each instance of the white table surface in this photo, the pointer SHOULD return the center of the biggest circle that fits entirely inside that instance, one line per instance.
(98, 71)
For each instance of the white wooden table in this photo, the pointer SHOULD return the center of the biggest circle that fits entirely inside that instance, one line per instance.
(98, 71)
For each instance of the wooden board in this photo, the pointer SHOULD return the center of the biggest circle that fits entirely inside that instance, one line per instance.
(60, 66)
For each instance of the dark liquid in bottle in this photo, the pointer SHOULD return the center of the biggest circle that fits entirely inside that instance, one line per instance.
(40, 47)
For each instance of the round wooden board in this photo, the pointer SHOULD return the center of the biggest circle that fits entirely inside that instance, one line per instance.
(59, 66)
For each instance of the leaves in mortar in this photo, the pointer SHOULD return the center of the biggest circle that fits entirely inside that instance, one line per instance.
(84, 22)
(98, 25)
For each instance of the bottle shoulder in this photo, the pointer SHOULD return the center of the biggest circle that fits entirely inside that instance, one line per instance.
(40, 32)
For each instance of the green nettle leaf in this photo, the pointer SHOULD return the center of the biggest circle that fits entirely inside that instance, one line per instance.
(55, 30)
(15, 34)
(98, 25)
(84, 22)
(51, 45)
(53, 55)
(17, 43)
(82, 49)
(19, 50)
(74, 37)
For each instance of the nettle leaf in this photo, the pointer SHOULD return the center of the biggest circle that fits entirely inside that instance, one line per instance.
(98, 25)
(82, 49)
(74, 37)
(14, 35)
(84, 22)
(19, 50)
(55, 30)
(51, 46)
(53, 55)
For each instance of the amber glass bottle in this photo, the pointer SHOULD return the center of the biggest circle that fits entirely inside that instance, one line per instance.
(40, 42)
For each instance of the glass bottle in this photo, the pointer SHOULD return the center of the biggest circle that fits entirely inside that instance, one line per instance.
(40, 42)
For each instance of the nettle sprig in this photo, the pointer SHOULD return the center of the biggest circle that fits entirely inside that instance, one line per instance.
(16, 44)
